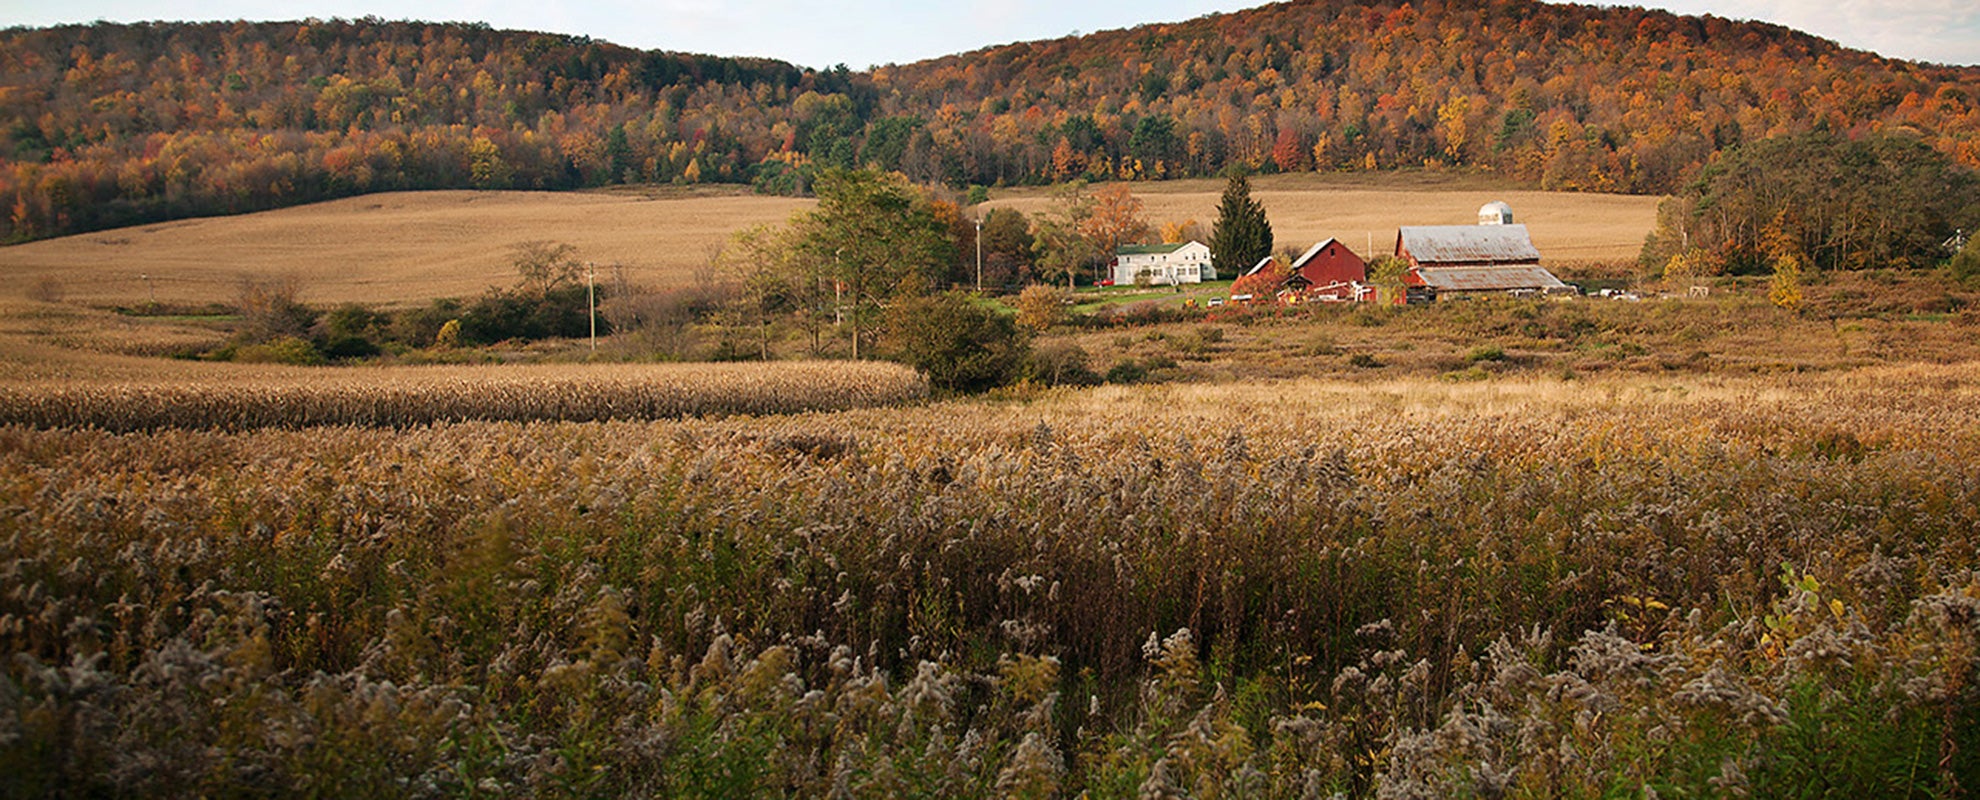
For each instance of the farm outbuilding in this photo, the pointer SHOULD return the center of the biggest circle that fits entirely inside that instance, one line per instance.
(1466, 246)
(1327, 271)
(1463, 280)
(1495, 213)
(1491, 257)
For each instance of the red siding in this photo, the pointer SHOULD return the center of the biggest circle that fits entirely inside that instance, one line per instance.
(1334, 263)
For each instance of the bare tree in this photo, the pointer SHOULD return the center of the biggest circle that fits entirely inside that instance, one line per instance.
(544, 265)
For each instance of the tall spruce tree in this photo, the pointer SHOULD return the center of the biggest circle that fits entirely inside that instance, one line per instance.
(1243, 236)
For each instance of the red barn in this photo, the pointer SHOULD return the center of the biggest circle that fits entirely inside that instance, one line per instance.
(1328, 270)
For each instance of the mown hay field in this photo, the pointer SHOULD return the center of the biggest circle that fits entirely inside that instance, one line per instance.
(1692, 585)
(404, 248)
(391, 249)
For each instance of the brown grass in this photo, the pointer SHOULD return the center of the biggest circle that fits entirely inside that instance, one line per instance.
(402, 248)
(1850, 321)
(1382, 589)
(390, 249)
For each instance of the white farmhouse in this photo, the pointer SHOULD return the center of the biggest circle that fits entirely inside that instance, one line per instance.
(1166, 264)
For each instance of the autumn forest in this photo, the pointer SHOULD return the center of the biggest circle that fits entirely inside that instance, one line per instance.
(106, 125)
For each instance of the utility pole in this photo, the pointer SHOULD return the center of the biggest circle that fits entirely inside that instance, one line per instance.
(591, 299)
(838, 297)
(979, 252)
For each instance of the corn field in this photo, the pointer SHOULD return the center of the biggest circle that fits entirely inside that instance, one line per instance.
(1640, 587)
(402, 397)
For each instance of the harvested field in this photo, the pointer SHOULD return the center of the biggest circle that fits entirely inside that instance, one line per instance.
(403, 248)
(391, 249)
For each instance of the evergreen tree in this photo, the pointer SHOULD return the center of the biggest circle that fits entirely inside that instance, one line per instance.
(1243, 235)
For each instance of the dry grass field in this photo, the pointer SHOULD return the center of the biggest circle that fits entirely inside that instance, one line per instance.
(1494, 548)
(1607, 587)
(391, 249)
(402, 248)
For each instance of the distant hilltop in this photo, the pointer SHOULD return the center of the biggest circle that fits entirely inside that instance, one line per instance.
(107, 125)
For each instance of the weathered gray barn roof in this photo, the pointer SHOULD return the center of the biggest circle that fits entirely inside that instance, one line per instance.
(1488, 279)
(1468, 244)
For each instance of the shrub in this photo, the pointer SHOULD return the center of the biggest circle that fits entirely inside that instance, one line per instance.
(449, 335)
(417, 327)
(1965, 264)
(269, 310)
(285, 350)
(1694, 264)
(1320, 344)
(353, 319)
(350, 347)
(1145, 312)
(1784, 289)
(1061, 364)
(1039, 307)
(961, 346)
(1127, 371)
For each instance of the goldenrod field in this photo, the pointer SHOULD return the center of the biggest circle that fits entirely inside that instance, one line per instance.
(1689, 584)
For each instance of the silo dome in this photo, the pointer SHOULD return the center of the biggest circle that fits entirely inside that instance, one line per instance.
(1495, 213)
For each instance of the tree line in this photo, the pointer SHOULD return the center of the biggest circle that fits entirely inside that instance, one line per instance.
(1887, 200)
(105, 125)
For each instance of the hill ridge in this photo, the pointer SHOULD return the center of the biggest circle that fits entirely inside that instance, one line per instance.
(105, 125)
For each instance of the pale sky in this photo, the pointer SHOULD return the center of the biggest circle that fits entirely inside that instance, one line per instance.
(820, 33)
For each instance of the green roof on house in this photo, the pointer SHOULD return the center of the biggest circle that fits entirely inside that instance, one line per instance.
(1150, 249)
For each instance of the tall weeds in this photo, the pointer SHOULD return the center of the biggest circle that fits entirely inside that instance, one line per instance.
(1742, 587)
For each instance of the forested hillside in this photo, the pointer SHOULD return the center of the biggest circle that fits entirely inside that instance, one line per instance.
(1572, 97)
(106, 125)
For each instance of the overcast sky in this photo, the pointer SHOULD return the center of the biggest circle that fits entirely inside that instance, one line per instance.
(820, 33)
